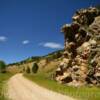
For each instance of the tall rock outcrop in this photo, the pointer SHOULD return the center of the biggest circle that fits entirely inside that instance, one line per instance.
(81, 58)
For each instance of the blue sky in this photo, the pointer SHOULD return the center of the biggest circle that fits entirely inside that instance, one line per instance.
(32, 27)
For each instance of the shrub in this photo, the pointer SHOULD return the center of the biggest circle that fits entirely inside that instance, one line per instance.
(23, 69)
(28, 70)
(35, 68)
(2, 67)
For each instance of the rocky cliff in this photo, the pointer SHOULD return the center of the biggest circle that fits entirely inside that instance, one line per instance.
(81, 58)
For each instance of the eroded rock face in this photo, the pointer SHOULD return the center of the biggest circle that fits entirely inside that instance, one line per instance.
(86, 16)
(81, 59)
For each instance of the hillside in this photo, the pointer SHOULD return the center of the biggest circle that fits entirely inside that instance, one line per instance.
(47, 62)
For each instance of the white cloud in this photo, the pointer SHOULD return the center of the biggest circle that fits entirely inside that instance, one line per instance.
(3, 38)
(25, 42)
(52, 45)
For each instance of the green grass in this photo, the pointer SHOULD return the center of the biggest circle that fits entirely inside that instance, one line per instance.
(3, 78)
(80, 93)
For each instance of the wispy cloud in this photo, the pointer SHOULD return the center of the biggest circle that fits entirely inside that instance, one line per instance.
(51, 45)
(3, 38)
(25, 42)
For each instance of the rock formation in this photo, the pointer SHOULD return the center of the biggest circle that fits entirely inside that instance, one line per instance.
(81, 58)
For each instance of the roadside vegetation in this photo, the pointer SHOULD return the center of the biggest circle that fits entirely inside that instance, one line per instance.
(3, 78)
(2, 67)
(80, 93)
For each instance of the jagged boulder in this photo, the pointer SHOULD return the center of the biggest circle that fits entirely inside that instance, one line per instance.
(94, 28)
(81, 59)
(86, 16)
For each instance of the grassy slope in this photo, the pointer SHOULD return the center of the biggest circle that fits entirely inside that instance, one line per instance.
(3, 79)
(81, 93)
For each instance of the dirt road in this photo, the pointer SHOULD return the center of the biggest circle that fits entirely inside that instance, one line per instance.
(20, 88)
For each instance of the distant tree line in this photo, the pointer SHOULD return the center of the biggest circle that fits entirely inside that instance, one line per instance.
(28, 60)
(51, 56)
